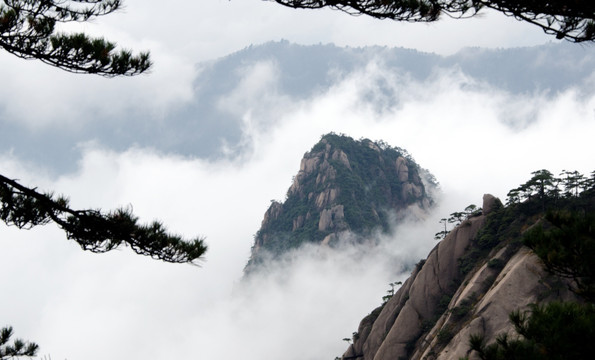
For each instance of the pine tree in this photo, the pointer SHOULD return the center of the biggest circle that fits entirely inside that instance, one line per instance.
(17, 348)
(570, 20)
(94, 230)
(28, 30)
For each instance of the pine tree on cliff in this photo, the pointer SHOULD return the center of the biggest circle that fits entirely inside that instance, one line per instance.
(570, 20)
(564, 241)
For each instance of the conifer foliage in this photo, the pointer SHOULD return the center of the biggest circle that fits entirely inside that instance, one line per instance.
(15, 349)
(564, 240)
(91, 229)
(554, 331)
(28, 30)
(570, 20)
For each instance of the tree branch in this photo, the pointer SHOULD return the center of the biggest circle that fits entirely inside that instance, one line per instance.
(93, 230)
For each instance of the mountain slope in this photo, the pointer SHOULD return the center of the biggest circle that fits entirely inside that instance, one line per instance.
(478, 275)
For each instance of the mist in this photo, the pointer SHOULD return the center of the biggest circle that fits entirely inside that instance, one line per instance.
(473, 137)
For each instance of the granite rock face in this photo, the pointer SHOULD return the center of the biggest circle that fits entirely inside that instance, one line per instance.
(434, 312)
(343, 186)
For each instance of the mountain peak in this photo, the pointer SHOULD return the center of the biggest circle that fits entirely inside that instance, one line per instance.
(344, 186)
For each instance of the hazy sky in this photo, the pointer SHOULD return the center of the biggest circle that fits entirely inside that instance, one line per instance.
(78, 305)
(184, 33)
(213, 28)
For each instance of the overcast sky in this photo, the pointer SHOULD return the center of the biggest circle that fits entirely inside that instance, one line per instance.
(78, 305)
(214, 28)
(181, 34)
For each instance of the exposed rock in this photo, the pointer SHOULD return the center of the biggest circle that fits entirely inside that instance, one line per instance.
(326, 198)
(273, 212)
(411, 190)
(402, 169)
(510, 278)
(433, 280)
(326, 174)
(329, 239)
(521, 282)
(309, 164)
(415, 302)
(298, 222)
(332, 219)
(489, 203)
(343, 185)
(342, 157)
(371, 342)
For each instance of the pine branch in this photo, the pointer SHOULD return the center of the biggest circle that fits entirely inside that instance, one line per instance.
(573, 21)
(18, 347)
(27, 30)
(93, 230)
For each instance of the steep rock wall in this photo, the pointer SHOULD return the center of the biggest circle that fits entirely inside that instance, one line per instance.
(414, 304)
(435, 311)
(343, 186)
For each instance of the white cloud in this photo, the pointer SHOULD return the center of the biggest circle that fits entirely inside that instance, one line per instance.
(138, 307)
(217, 27)
(181, 34)
(455, 126)
(256, 97)
(42, 97)
(119, 305)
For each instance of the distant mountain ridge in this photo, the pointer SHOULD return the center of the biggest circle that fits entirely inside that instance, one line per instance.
(344, 188)
(200, 126)
(306, 69)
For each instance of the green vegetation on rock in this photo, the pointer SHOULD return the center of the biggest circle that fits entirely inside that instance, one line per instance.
(457, 302)
(563, 238)
(343, 186)
(555, 331)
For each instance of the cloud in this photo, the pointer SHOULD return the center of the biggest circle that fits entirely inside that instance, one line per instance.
(455, 126)
(120, 305)
(40, 95)
(135, 306)
(215, 28)
(256, 98)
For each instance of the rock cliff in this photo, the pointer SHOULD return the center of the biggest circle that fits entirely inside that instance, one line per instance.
(468, 285)
(343, 187)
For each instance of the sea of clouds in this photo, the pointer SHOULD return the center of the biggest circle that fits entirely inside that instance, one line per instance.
(473, 137)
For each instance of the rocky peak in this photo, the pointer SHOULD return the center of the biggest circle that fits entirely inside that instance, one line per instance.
(343, 185)
(455, 293)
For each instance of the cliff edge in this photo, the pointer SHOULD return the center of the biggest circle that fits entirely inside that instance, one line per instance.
(470, 282)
